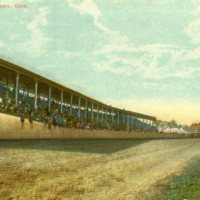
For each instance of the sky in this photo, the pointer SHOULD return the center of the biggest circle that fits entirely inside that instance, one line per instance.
(141, 55)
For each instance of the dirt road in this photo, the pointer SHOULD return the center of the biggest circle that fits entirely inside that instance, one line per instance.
(90, 169)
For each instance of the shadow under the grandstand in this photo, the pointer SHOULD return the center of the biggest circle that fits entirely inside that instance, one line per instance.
(97, 146)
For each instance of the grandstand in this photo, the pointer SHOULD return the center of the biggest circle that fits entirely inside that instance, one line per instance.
(23, 92)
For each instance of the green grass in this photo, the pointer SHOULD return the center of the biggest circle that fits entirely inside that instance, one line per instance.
(185, 185)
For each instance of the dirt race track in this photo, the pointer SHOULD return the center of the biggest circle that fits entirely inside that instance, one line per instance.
(95, 169)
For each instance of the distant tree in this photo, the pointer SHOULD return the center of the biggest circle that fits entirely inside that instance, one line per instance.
(172, 124)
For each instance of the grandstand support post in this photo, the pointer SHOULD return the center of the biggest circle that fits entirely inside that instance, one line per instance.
(49, 99)
(131, 121)
(79, 107)
(17, 90)
(92, 114)
(102, 114)
(143, 120)
(97, 112)
(123, 119)
(106, 114)
(86, 108)
(71, 103)
(127, 117)
(7, 86)
(112, 113)
(36, 94)
(61, 101)
(23, 89)
(118, 118)
(28, 92)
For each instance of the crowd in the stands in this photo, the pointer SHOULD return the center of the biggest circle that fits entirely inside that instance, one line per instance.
(25, 110)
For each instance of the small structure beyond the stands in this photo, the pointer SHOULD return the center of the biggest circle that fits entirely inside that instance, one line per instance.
(42, 94)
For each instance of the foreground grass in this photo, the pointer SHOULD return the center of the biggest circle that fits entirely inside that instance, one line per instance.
(104, 169)
(185, 185)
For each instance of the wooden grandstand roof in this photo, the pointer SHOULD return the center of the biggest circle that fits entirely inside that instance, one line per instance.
(29, 74)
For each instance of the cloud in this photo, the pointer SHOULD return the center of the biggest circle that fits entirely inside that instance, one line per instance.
(2, 44)
(45, 67)
(129, 48)
(117, 64)
(194, 54)
(88, 7)
(68, 54)
(156, 86)
(37, 40)
(150, 61)
(195, 2)
(193, 30)
(155, 61)
(105, 66)
(35, 1)
(196, 7)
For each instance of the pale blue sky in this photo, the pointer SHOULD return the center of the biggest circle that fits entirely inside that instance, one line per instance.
(142, 55)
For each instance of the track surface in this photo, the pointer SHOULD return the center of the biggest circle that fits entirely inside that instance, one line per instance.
(105, 169)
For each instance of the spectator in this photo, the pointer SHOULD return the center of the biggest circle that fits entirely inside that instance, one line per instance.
(22, 120)
(50, 121)
(54, 120)
(30, 119)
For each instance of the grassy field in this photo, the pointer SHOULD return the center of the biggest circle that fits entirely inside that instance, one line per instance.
(105, 169)
(183, 186)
